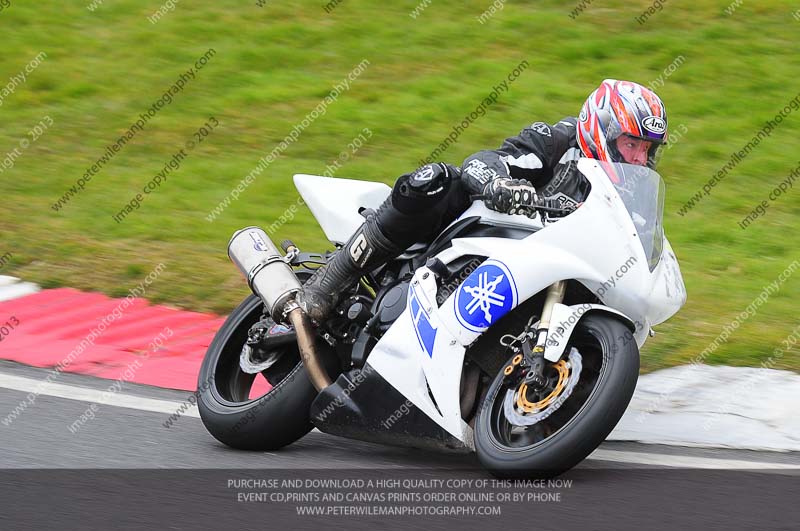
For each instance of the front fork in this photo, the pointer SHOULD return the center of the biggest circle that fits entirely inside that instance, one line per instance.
(555, 295)
(534, 357)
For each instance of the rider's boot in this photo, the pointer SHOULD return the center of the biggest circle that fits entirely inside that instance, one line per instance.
(409, 215)
(366, 250)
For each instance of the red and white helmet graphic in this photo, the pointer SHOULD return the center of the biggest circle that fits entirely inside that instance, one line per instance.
(618, 108)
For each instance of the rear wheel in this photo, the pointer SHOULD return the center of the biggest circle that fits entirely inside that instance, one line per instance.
(526, 432)
(263, 411)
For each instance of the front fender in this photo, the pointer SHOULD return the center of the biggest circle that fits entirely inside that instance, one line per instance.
(566, 318)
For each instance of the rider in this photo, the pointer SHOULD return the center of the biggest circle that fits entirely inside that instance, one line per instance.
(621, 121)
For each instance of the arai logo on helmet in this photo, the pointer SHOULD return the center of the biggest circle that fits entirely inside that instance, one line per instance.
(654, 124)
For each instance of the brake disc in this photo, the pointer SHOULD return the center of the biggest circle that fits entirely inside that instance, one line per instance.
(257, 333)
(250, 366)
(518, 416)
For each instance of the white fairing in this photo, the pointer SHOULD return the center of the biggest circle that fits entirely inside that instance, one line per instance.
(404, 363)
(428, 342)
(566, 318)
(335, 203)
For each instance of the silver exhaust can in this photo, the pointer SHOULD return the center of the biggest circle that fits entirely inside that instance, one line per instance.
(267, 274)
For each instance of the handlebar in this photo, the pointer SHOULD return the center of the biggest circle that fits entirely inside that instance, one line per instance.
(542, 205)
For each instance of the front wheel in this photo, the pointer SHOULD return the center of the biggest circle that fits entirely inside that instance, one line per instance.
(521, 432)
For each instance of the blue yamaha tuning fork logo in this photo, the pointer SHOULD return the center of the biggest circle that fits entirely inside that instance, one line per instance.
(485, 296)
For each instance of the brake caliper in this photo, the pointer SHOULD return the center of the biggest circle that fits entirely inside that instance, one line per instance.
(527, 401)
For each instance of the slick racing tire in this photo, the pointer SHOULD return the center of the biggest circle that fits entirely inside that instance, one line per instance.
(607, 363)
(264, 423)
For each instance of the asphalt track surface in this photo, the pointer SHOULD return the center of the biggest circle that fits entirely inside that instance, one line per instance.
(124, 469)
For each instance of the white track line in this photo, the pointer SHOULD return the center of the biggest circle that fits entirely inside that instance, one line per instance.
(682, 461)
(71, 392)
(6, 280)
(12, 288)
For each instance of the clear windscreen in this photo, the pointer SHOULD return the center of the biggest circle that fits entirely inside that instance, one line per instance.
(642, 191)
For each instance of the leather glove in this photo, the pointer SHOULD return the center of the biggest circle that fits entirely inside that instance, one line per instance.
(511, 196)
(555, 208)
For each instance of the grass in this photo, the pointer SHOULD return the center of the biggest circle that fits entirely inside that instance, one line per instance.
(274, 64)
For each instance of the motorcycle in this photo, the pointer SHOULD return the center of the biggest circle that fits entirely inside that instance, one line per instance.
(513, 336)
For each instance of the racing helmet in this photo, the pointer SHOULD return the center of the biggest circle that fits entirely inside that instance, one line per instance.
(618, 108)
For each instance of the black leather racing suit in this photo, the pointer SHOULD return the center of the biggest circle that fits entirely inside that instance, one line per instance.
(542, 154)
(425, 201)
